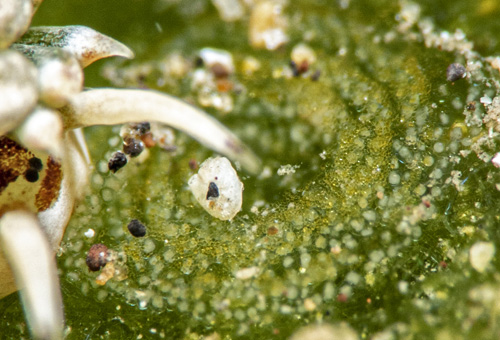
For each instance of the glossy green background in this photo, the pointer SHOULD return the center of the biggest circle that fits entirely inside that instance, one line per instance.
(393, 268)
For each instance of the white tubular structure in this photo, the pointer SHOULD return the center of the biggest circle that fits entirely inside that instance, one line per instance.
(113, 106)
(30, 256)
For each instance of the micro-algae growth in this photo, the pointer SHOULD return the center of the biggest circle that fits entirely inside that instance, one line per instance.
(384, 216)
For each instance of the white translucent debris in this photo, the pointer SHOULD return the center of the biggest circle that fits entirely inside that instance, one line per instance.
(247, 273)
(301, 53)
(213, 56)
(480, 255)
(217, 188)
(287, 169)
(229, 10)
(486, 100)
(325, 332)
(267, 27)
(496, 160)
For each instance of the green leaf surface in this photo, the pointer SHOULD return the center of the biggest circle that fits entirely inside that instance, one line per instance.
(393, 184)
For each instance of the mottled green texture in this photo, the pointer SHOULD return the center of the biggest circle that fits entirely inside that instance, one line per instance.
(377, 234)
(47, 36)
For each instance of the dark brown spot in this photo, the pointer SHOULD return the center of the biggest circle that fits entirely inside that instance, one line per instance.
(272, 231)
(471, 106)
(132, 146)
(13, 161)
(31, 175)
(198, 62)
(193, 164)
(342, 298)
(51, 185)
(141, 128)
(136, 228)
(220, 71)
(97, 257)
(35, 163)
(117, 161)
(7, 176)
(298, 69)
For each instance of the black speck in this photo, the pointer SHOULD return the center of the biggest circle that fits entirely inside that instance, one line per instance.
(133, 147)
(141, 128)
(455, 72)
(295, 70)
(35, 163)
(198, 62)
(315, 76)
(117, 161)
(213, 191)
(97, 257)
(136, 228)
(31, 175)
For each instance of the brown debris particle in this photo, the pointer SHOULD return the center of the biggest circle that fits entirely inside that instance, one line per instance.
(342, 298)
(224, 85)
(117, 161)
(7, 176)
(97, 257)
(51, 185)
(193, 164)
(13, 161)
(132, 146)
(148, 139)
(220, 71)
(107, 273)
(272, 231)
(298, 69)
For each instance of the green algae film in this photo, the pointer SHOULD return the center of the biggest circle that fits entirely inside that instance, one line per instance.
(375, 232)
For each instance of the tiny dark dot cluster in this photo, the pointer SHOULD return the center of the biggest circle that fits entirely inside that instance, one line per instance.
(35, 166)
